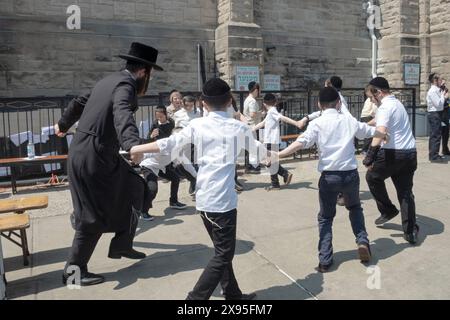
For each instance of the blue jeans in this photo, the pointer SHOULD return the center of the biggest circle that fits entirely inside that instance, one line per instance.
(332, 183)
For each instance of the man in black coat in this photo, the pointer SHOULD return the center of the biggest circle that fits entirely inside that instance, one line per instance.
(106, 191)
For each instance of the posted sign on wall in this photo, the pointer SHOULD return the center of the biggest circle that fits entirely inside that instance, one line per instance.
(412, 73)
(272, 82)
(245, 75)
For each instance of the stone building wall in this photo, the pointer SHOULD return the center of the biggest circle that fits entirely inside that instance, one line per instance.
(40, 56)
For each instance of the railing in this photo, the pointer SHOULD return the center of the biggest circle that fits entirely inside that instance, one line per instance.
(33, 118)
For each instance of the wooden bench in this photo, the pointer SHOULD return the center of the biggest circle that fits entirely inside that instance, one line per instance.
(13, 163)
(13, 226)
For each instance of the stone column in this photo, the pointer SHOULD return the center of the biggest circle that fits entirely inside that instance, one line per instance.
(238, 39)
(425, 48)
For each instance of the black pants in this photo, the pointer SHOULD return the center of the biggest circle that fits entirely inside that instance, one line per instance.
(399, 165)
(84, 243)
(152, 182)
(367, 142)
(434, 121)
(445, 131)
(221, 228)
(280, 171)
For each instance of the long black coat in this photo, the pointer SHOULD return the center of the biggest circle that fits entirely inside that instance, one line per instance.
(103, 185)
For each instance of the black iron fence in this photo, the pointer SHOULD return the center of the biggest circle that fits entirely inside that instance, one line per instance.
(25, 119)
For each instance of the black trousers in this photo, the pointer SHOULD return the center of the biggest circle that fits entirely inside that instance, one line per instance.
(367, 142)
(221, 228)
(399, 165)
(445, 131)
(280, 171)
(434, 121)
(84, 243)
(152, 182)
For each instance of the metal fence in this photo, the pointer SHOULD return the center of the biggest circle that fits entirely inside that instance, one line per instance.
(24, 119)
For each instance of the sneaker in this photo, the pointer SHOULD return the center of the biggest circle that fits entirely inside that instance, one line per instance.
(272, 188)
(177, 205)
(147, 217)
(253, 170)
(364, 252)
(287, 178)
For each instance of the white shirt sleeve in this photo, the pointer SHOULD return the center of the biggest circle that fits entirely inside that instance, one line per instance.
(314, 115)
(382, 117)
(173, 144)
(309, 137)
(276, 115)
(364, 131)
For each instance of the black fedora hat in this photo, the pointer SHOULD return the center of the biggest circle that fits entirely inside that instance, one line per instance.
(144, 54)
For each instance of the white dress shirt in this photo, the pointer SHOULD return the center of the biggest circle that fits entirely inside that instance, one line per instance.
(218, 141)
(435, 99)
(251, 105)
(334, 133)
(344, 109)
(392, 115)
(272, 126)
(182, 118)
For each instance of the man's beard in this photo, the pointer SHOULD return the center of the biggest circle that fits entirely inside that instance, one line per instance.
(142, 84)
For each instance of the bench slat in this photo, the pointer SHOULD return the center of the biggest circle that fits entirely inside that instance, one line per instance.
(22, 204)
(14, 222)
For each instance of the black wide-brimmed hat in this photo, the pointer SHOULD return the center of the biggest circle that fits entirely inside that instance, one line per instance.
(143, 54)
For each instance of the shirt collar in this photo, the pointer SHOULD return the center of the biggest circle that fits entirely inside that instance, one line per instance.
(330, 111)
(389, 97)
(131, 74)
(221, 114)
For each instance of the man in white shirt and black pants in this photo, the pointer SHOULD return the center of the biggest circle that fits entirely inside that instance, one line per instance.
(436, 98)
(396, 159)
(218, 140)
(334, 133)
(252, 113)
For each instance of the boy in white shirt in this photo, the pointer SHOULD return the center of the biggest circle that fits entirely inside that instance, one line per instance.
(218, 140)
(334, 133)
(272, 141)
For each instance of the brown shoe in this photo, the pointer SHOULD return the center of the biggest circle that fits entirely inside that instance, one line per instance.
(287, 178)
(364, 252)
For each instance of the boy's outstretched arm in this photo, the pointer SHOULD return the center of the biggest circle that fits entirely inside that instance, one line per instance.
(145, 148)
(291, 122)
(293, 147)
(259, 125)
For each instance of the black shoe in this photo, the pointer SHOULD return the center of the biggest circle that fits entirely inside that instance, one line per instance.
(238, 186)
(287, 178)
(253, 170)
(192, 188)
(383, 219)
(177, 205)
(130, 254)
(364, 252)
(87, 279)
(439, 159)
(250, 296)
(412, 237)
(147, 217)
(324, 267)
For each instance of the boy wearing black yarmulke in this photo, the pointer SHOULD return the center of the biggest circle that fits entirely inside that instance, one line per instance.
(218, 140)
(334, 133)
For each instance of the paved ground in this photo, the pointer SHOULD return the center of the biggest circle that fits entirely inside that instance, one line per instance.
(276, 251)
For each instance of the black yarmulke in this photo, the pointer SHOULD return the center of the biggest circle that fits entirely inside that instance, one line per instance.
(380, 83)
(215, 88)
(252, 86)
(269, 97)
(327, 95)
